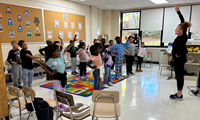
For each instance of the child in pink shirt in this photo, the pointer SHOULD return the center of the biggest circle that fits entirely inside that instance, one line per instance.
(83, 59)
(141, 55)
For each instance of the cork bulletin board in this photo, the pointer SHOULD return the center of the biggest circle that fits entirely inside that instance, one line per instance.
(64, 25)
(20, 23)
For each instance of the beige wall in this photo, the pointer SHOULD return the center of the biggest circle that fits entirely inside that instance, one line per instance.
(92, 15)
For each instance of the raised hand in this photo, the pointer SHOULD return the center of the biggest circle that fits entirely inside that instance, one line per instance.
(59, 37)
(177, 8)
(126, 38)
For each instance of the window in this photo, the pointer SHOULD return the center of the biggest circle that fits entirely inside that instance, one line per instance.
(131, 20)
(195, 35)
(130, 24)
(151, 37)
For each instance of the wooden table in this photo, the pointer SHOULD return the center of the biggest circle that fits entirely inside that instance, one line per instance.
(169, 56)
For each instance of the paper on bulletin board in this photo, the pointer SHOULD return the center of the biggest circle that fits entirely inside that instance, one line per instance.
(65, 24)
(65, 16)
(49, 34)
(77, 33)
(61, 34)
(79, 25)
(72, 25)
(69, 34)
(56, 23)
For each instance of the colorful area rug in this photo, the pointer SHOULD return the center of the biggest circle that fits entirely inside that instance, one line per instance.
(82, 87)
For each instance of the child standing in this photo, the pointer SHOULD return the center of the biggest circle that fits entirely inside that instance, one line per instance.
(111, 42)
(45, 54)
(83, 59)
(14, 59)
(119, 48)
(97, 61)
(141, 54)
(27, 65)
(72, 52)
(107, 59)
(57, 63)
(130, 54)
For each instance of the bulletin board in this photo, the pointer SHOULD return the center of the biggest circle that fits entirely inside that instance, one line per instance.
(12, 21)
(64, 25)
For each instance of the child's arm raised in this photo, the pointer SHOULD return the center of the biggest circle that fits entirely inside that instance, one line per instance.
(70, 45)
(89, 64)
(61, 40)
(44, 67)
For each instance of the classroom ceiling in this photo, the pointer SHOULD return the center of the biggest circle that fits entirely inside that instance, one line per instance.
(127, 4)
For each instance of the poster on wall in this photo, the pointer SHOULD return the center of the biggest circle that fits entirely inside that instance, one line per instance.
(65, 24)
(28, 33)
(28, 24)
(49, 35)
(36, 20)
(10, 22)
(65, 16)
(37, 32)
(79, 25)
(56, 22)
(72, 25)
(1, 17)
(11, 33)
(26, 14)
(19, 18)
(8, 10)
(77, 33)
(61, 34)
(69, 34)
(1, 28)
(20, 28)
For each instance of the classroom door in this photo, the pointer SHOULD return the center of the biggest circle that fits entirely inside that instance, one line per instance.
(3, 93)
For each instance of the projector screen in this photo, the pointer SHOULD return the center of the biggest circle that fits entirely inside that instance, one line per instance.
(171, 20)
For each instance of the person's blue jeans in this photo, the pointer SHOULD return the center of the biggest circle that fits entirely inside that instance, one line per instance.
(107, 77)
(97, 79)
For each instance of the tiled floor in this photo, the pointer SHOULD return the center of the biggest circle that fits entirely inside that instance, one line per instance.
(144, 96)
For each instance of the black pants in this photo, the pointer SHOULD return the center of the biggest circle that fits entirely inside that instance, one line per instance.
(139, 64)
(113, 59)
(129, 63)
(179, 72)
(82, 68)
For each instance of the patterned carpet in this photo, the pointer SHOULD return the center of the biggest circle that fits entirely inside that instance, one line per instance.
(82, 87)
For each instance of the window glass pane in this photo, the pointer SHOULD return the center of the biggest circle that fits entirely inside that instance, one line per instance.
(127, 33)
(131, 20)
(151, 38)
(195, 35)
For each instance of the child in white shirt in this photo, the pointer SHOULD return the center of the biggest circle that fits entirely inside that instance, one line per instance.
(141, 55)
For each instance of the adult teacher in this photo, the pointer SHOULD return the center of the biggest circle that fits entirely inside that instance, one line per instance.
(179, 52)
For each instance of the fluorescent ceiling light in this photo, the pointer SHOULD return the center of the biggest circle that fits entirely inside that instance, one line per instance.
(159, 1)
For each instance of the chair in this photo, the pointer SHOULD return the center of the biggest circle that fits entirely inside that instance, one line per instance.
(149, 58)
(36, 66)
(161, 66)
(77, 111)
(106, 104)
(14, 94)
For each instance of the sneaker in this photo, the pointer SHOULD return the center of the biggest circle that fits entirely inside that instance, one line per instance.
(59, 109)
(176, 97)
(76, 72)
(129, 74)
(195, 92)
(87, 76)
(82, 77)
(132, 73)
(63, 106)
(105, 86)
(112, 70)
(121, 78)
(118, 78)
(110, 84)
(73, 73)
